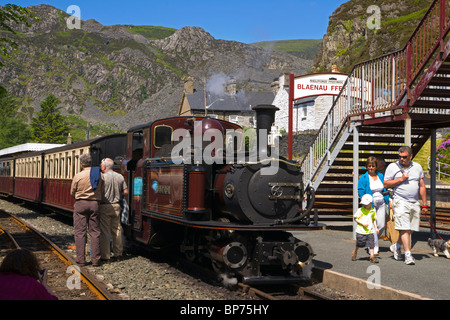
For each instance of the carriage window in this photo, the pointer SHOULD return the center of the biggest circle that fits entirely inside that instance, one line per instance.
(162, 136)
(47, 169)
(5, 169)
(138, 141)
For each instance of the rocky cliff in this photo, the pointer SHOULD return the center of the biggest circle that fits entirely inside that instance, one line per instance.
(110, 74)
(353, 35)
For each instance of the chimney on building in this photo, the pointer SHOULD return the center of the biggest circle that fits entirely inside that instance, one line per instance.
(275, 85)
(231, 87)
(189, 85)
(283, 80)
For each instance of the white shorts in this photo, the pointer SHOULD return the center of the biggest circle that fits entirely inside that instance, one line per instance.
(406, 214)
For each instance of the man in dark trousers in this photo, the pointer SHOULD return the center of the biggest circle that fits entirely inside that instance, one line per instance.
(115, 188)
(86, 188)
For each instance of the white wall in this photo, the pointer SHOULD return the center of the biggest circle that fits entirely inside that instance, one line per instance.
(316, 110)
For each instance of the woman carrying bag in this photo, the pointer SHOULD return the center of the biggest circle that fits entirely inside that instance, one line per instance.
(371, 183)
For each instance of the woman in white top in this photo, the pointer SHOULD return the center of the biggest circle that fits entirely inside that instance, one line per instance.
(371, 183)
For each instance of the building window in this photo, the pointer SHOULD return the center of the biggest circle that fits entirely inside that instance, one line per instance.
(233, 118)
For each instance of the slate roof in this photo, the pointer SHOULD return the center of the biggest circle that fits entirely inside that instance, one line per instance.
(242, 101)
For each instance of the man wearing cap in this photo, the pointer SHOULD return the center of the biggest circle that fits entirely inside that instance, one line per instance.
(405, 177)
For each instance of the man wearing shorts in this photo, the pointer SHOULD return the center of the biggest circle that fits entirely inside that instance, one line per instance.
(405, 177)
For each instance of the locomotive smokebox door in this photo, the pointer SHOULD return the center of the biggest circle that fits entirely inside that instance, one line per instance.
(258, 198)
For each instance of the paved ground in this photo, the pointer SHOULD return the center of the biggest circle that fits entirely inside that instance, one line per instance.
(429, 277)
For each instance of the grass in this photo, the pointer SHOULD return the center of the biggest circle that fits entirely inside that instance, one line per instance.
(78, 129)
(304, 48)
(151, 32)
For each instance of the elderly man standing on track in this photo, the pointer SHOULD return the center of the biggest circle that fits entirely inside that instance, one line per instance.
(406, 179)
(115, 188)
(86, 188)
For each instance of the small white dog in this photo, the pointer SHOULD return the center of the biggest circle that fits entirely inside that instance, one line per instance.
(439, 245)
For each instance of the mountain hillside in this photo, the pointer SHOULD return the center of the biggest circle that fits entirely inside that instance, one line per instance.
(127, 75)
(350, 39)
(302, 48)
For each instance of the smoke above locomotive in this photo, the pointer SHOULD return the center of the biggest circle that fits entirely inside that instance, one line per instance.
(207, 142)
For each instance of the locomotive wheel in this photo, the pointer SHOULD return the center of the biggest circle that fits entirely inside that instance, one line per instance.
(218, 267)
(190, 255)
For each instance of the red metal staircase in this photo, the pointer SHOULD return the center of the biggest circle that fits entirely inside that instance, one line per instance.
(388, 101)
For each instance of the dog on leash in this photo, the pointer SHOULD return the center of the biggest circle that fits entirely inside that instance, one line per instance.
(439, 245)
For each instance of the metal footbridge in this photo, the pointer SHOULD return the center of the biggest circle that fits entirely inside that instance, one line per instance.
(400, 98)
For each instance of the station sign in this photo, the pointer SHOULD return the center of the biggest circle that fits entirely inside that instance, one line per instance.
(330, 84)
(319, 84)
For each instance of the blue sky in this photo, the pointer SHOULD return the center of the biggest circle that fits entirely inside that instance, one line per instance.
(240, 20)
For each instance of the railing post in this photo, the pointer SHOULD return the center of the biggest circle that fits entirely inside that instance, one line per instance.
(355, 174)
(311, 163)
(442, 19)
(432, 198)
(442, 15)
(328, 138)
(362, 91)
(393, 75)
(407, 132)
(349, 93)
(408, 70)
(291, 115)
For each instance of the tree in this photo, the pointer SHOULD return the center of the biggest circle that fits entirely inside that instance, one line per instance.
(50, 126)
(13, 129)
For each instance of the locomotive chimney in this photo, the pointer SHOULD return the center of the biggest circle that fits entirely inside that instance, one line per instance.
(265, 117)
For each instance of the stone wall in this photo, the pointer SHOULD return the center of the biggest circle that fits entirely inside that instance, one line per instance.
(301, 143)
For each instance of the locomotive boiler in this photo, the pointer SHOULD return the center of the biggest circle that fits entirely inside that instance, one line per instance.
(196, 188)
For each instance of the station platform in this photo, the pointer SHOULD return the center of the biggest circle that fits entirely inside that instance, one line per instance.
(429, 278)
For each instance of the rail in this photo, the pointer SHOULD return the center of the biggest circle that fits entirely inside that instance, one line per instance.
(51, 254)
(439, 171)
(379, 87)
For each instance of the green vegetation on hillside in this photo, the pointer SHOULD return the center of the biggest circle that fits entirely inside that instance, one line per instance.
(358, 43)
(302, 48)
(151, 32)
(79, 129)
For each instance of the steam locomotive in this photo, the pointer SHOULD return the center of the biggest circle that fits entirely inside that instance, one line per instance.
(214, 199)
(193, 186)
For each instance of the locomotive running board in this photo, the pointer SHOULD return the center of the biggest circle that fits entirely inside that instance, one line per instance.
(229, 226)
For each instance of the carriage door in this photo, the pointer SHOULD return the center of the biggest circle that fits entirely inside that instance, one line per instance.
(134, 155)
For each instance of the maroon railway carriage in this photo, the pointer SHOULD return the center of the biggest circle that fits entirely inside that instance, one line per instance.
(45, 177)
(7, 175)
(221, 208)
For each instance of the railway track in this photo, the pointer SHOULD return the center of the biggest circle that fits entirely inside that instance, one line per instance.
(67, 281)
(244, 292)
(291, 292)
(442, 219)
